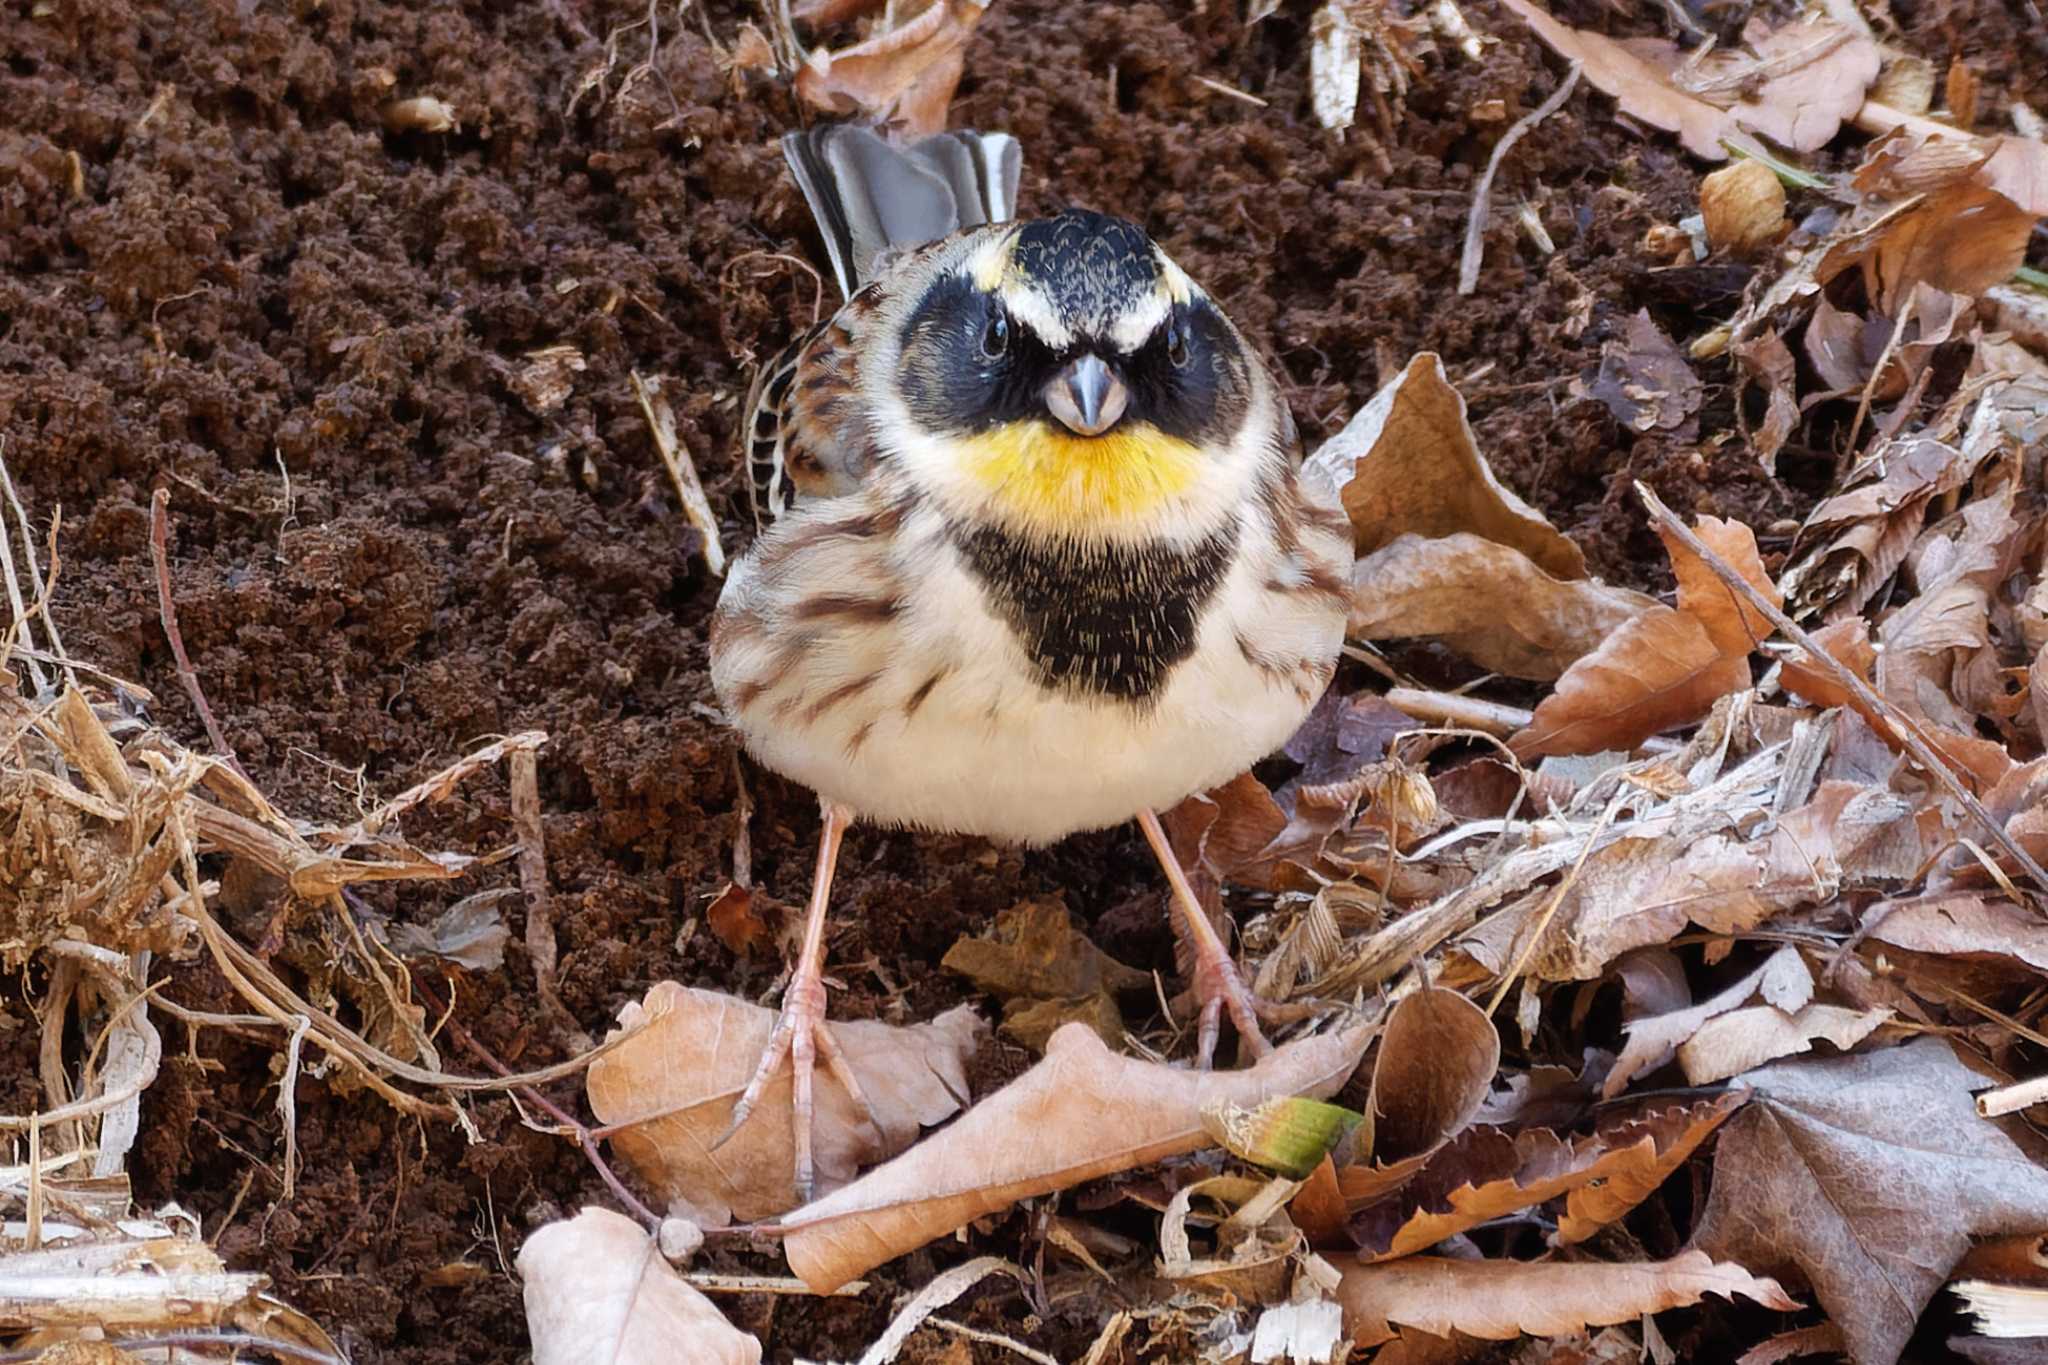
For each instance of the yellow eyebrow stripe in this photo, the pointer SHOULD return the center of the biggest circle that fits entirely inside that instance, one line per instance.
(1052, 481)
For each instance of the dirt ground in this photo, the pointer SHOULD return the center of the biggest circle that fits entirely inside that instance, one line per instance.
(222, 276)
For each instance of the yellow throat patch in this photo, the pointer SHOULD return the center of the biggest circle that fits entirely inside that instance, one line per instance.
(1055, 481)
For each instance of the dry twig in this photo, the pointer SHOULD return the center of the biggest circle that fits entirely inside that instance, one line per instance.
(1482, 193)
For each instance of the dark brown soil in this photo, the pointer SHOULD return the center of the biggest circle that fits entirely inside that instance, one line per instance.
(221, 275)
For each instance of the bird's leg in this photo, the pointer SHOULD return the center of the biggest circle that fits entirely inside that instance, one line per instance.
(1217, 981)
(800, 1032)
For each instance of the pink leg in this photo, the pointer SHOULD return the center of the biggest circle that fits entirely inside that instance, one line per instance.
(1217, 981)
(800, 1032)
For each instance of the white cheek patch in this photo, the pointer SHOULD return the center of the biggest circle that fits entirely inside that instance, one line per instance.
(1034, 310)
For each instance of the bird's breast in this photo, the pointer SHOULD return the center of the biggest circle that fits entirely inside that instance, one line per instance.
(1103, 618)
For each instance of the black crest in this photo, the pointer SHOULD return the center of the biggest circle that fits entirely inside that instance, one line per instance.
(1093, 266)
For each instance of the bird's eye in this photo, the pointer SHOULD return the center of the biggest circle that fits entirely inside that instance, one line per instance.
(1177, 344)
(995, 338)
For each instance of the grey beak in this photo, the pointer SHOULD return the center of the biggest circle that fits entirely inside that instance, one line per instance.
(1087, 397)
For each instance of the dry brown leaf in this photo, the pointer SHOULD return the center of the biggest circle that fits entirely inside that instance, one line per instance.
(1497, 1300)
(1743, 207)
(1453, 587)
(669, 1092)
(1795, 87)
(599, 1293)
(1437, 1055)
(1956, 568)
(1847, 642)
(1087, 1111)
(1406, 463)
(1732, 621)
(1485, 1174)
(905, 75)
(1821, 1339)
(1666, 667)
(1781, 980)
(1740, 1040)
(1767, 359)
(1047, 972)
(1643, 379)
(1963, 925)
(1657, 672)
(1866, 532)
(1870, 1175)
(1962, 239)
(736, 917)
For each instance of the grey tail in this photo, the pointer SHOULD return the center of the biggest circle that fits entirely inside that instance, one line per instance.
(872, 198)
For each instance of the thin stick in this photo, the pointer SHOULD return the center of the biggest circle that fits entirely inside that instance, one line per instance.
(14, 598)
(675, 457)
(1482, 193)
(540, 905)
(159, 550)
(2010, 1099)
(1908, 733)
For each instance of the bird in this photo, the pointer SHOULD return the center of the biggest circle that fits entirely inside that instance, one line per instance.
(1035, 551)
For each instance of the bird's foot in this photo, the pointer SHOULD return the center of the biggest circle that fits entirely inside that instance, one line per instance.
(801, 1036)
(1220, 986)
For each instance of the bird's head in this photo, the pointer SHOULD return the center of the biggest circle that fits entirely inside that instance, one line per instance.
(1072, 376)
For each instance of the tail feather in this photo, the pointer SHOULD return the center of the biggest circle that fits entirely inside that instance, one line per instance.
(871, 197)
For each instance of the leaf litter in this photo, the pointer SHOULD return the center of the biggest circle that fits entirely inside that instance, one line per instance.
(1828, 839)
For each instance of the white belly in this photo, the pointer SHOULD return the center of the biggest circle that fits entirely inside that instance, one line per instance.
(988, 751)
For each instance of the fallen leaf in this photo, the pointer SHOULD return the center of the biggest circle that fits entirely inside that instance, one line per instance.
(1782, 980)
(1732, 1043)
(1659, 671)
(1453, 586)
(1964, 925)
(1433, 1072)
(1485, 1173)
(1769, 361)
(1088, 1112)
(1962, 239)
(599, 1293)
(734, 915)
(1821, 1339)
(1795, 86)
(1046, 971)
(1643, 379)
(1956, 570)
(1734, 623)
(1497, 1300)
(1407, 463)
(669, 1092)
(906, 74)
(1666, 667)
(470, 933)
(1869, 1175)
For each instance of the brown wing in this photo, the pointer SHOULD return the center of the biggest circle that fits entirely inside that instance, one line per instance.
(806, 432)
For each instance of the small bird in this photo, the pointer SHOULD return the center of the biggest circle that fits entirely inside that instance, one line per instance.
(1036, 554)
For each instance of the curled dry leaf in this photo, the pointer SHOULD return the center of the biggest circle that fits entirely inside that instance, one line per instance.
(1963, 925)
(1087, 1111)
(1869, 1175)
(1666, 667)
(1782, 981)
(1453, 587)
(1743, 206)
(905, 75)
(599, 1293)
(669, 1093)
(1496, 1300)
(1486, 1173)
(1794, 86)
(1406, 463)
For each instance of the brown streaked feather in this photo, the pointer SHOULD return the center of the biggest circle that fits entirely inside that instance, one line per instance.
(804, 433)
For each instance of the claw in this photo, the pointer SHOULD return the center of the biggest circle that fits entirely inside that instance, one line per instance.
(1218, 983)
(800, 1033)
